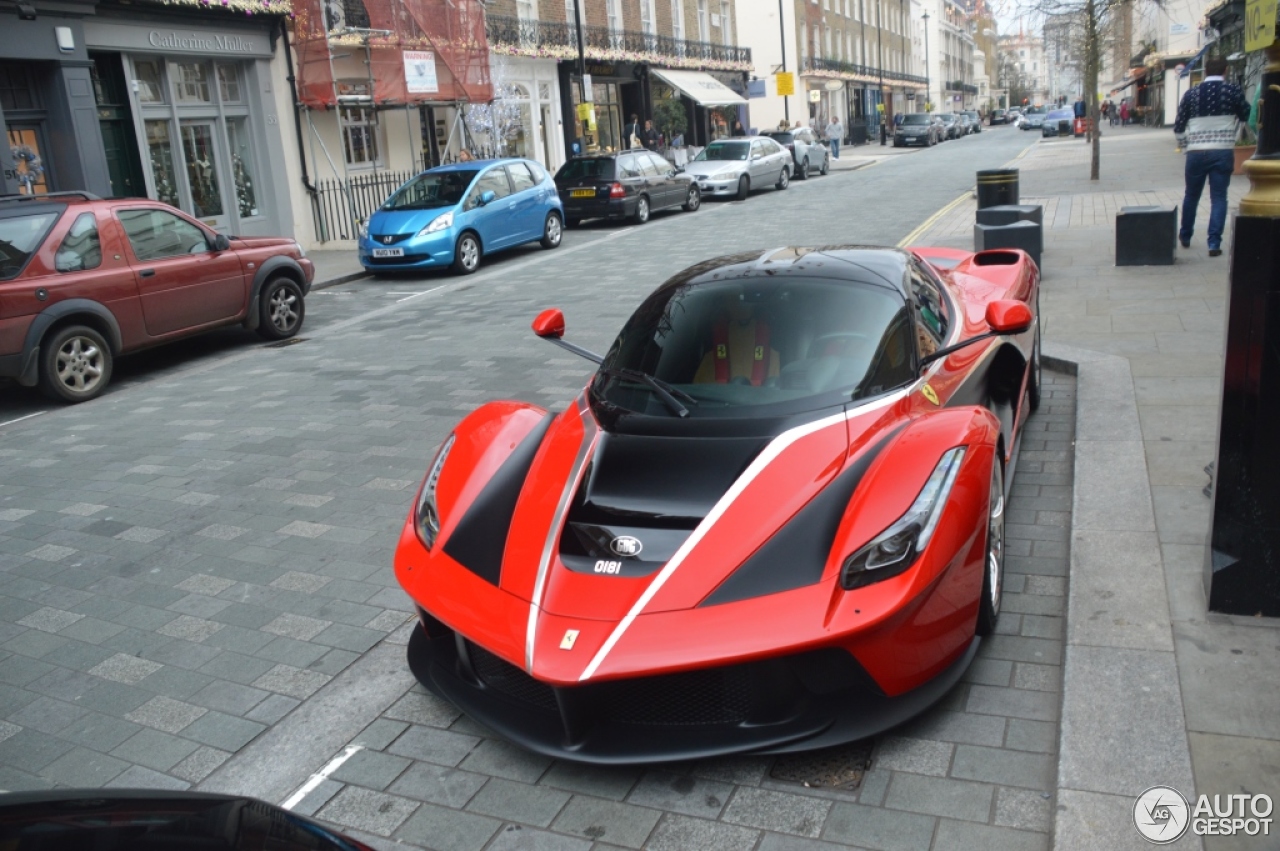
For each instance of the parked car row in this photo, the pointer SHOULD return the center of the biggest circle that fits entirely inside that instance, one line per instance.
(929, 128)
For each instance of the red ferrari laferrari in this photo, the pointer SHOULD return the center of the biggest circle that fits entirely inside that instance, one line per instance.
(773, 520)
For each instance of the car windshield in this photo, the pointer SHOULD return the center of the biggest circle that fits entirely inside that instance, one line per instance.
(948, 119)
(760, 347)
(600, 168)
(972, 115)
(430, 190)
(724, 151)
(917, 118)
(20, 236)
(1059, 114)
(1035, 110)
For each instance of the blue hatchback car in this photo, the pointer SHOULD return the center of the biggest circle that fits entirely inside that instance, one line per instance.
(453, 215)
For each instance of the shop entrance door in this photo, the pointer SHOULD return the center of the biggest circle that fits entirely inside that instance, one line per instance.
(202, 162)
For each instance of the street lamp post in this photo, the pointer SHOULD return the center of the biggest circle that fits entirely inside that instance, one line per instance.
(880, 66)
(928, 94)
(782, 33)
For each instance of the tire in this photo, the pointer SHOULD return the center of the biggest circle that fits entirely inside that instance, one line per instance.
(744, 187)
(466, 254)
(281, 309)
(552, 231)
(784, 179)
(826, 166)
(993, 561)
(693, 200)
(75, 364)
(1034, 383)
(803, 172)
(642, 210)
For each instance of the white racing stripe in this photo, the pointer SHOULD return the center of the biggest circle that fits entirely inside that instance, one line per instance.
(320, 776)
(589, 434)
(763, 460)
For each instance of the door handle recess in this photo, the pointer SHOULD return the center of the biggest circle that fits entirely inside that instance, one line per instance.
(146, 273)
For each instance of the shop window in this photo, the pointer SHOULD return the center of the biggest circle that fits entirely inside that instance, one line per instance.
(242, 166)
(80, 248)
(28, 160)
(17, 88)
(148, 81)
(192, 82)
(160, 152)
(156, 234)
(359, 135)
(202, 169)
(229, 83)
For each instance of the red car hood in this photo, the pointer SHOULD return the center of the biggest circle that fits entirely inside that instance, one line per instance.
(775, 479)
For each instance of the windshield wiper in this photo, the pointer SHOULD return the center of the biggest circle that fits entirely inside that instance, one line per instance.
(664, 391)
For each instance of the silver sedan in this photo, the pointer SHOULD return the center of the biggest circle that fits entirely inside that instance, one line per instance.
(736, 166)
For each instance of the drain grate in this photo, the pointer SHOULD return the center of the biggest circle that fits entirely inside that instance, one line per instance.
(292, 341)
(840, 767)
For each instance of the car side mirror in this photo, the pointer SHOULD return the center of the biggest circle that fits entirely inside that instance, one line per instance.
(220, 242)
(1007, 316)
(487, 196)
(549, 324)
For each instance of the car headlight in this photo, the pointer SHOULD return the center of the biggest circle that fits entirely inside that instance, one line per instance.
(438, 224)
(895, 549)
(302, 252)
(426, 515)
(364, 229)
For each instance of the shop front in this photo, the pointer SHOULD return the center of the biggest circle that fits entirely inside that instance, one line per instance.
(188, 116)
(615, 94)
(531, 88)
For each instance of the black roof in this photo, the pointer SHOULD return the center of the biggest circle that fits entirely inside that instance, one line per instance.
(861, 264)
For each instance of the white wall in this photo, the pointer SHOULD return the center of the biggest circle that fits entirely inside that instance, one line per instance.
(758, 29)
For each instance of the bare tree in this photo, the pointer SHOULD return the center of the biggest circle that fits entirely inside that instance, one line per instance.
(1094, 25)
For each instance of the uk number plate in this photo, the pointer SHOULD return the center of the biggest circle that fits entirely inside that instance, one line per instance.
(388, 252)
(582, 193)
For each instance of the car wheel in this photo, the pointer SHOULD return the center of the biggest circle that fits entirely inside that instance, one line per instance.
(826, 165)
(642, 210)
(693, 200)
(993, 564)
(281, 309)
(75, 364)
(552, 231)
(466, 254)
(744, 187)
(803, 173)
(784, 179)
(1033, 383)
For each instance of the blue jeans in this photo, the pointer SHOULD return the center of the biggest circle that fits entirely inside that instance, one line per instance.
(835, 149)
(1217, 167)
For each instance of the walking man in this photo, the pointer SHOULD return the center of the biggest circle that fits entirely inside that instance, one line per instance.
(1208, 119)
(835, 130)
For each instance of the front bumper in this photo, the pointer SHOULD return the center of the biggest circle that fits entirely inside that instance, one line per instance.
(789, 703)
(912, 140)
(718, 184)
(431, 251)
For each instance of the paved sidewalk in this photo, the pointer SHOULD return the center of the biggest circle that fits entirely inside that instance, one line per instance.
(1156, 691)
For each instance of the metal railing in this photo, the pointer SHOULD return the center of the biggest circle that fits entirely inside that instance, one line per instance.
(839, 66)
(961, 86)
(338, 206)
(539, 35)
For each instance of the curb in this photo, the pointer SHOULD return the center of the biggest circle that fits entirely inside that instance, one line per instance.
(341, 279)
(1122, 727)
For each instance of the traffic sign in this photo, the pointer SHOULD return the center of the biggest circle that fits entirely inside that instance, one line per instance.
(787, 81)
(1259, 24)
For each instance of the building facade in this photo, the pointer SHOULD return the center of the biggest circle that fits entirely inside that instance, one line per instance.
(1023, 70)
(951, 51)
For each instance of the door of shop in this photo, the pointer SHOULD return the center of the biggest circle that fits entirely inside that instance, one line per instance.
(124, 167)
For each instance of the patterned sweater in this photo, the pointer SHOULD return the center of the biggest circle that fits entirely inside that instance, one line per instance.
(1209, 116)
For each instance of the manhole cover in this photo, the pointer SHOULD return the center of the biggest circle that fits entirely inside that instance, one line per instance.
(292, 341)
(831, 768)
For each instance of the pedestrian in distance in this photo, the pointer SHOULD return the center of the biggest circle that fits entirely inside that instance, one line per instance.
(1124, 113)
(633, 133)
(835, 131)
(1209, 119)
(650, 138)
(738, 129)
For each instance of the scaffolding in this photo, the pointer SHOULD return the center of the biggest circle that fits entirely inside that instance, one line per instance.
(417, 52)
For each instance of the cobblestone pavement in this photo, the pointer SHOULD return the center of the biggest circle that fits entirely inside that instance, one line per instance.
(195, 582)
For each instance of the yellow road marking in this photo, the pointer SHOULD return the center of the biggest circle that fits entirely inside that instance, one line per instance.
(932, 220)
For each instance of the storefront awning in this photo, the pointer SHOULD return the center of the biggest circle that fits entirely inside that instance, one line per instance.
(702, 88)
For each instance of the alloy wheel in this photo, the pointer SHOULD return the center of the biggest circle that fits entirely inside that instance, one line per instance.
(642, 210)
(283, 309)
(995, 542)
(79, 365)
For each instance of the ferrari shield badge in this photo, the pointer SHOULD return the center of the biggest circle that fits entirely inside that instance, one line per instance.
(570, 636)
(929, 393)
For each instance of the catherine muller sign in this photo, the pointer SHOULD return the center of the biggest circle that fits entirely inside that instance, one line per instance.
(239, 41)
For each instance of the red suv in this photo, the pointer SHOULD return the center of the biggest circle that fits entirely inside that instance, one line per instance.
(83, 280)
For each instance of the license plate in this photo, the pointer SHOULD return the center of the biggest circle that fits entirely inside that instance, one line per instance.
(582, 193)
(388, 252)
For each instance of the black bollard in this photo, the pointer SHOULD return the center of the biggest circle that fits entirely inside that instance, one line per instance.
(997, 186)
(1242, 566)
